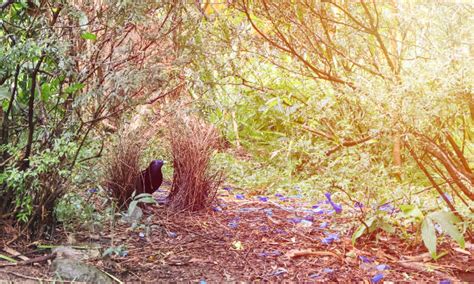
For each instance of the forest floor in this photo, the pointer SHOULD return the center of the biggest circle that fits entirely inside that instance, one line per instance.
(256, 239)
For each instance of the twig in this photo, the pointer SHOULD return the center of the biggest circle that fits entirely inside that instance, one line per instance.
(15, 253)
(31, 261)
(423, 268)
(294, 253)
(111, 276)
(37, 279)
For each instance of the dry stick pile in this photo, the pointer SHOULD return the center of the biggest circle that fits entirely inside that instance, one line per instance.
(194, 183)
(121, 169)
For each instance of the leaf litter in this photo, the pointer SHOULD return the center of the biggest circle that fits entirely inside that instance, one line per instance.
(266, 238)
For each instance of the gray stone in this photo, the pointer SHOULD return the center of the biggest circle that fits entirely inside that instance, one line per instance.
(87, 252)
(64, 252)
(134, 217)
(75, 270)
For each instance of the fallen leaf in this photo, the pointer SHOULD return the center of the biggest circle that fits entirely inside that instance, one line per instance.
(273, 220)
(423, 267)
(14, 253)
(308, 252)
(462, 251)
(469, 246)
(237, 245)
(422, 257)
(279, 271)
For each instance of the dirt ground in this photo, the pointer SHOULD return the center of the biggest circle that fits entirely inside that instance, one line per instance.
(254, 240)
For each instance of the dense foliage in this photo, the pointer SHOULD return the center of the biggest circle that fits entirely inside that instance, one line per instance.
(361, 97)
(369, 101)
(68, 71)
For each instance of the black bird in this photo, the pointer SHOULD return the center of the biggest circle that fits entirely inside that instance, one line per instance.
(151, 178)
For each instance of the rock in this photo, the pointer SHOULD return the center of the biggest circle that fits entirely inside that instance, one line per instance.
(134, 217)
(65, 252)
(75, 270)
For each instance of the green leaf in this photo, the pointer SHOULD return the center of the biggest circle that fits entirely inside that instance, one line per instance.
(5, 105)
(45, 92)
(19, 5)
(272, 102)
(361, 230)
(74, 88)
(142, 195)
(83, 20)
(132, 207)
(447, 222)
(144, 198)
(440, 255)
(7, 258)
(372, 44)
(374, 225)
(411, 211)
(358, 233)
(428, 234)
(4, 94)
(89, 36)
(109, 251)
(147, 200)
(299, 14)
(287, 101)
(387, 227)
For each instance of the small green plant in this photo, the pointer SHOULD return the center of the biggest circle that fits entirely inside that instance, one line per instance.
(447, 222)
(141, 198)
(379, 221)
(134, 214)
(431, 223)
(428, 225)
(74, 209)
(118, 251)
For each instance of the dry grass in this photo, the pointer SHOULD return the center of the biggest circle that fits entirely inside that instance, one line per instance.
(121, 169)
(194, 183)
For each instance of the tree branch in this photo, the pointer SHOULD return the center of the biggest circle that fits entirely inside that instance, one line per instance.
(31, 122)
(6, 4)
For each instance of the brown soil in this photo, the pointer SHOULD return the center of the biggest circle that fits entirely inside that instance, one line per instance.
(254, 241)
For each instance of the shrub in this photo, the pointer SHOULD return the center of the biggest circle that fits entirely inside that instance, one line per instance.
(28, 195)
(74, 211)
